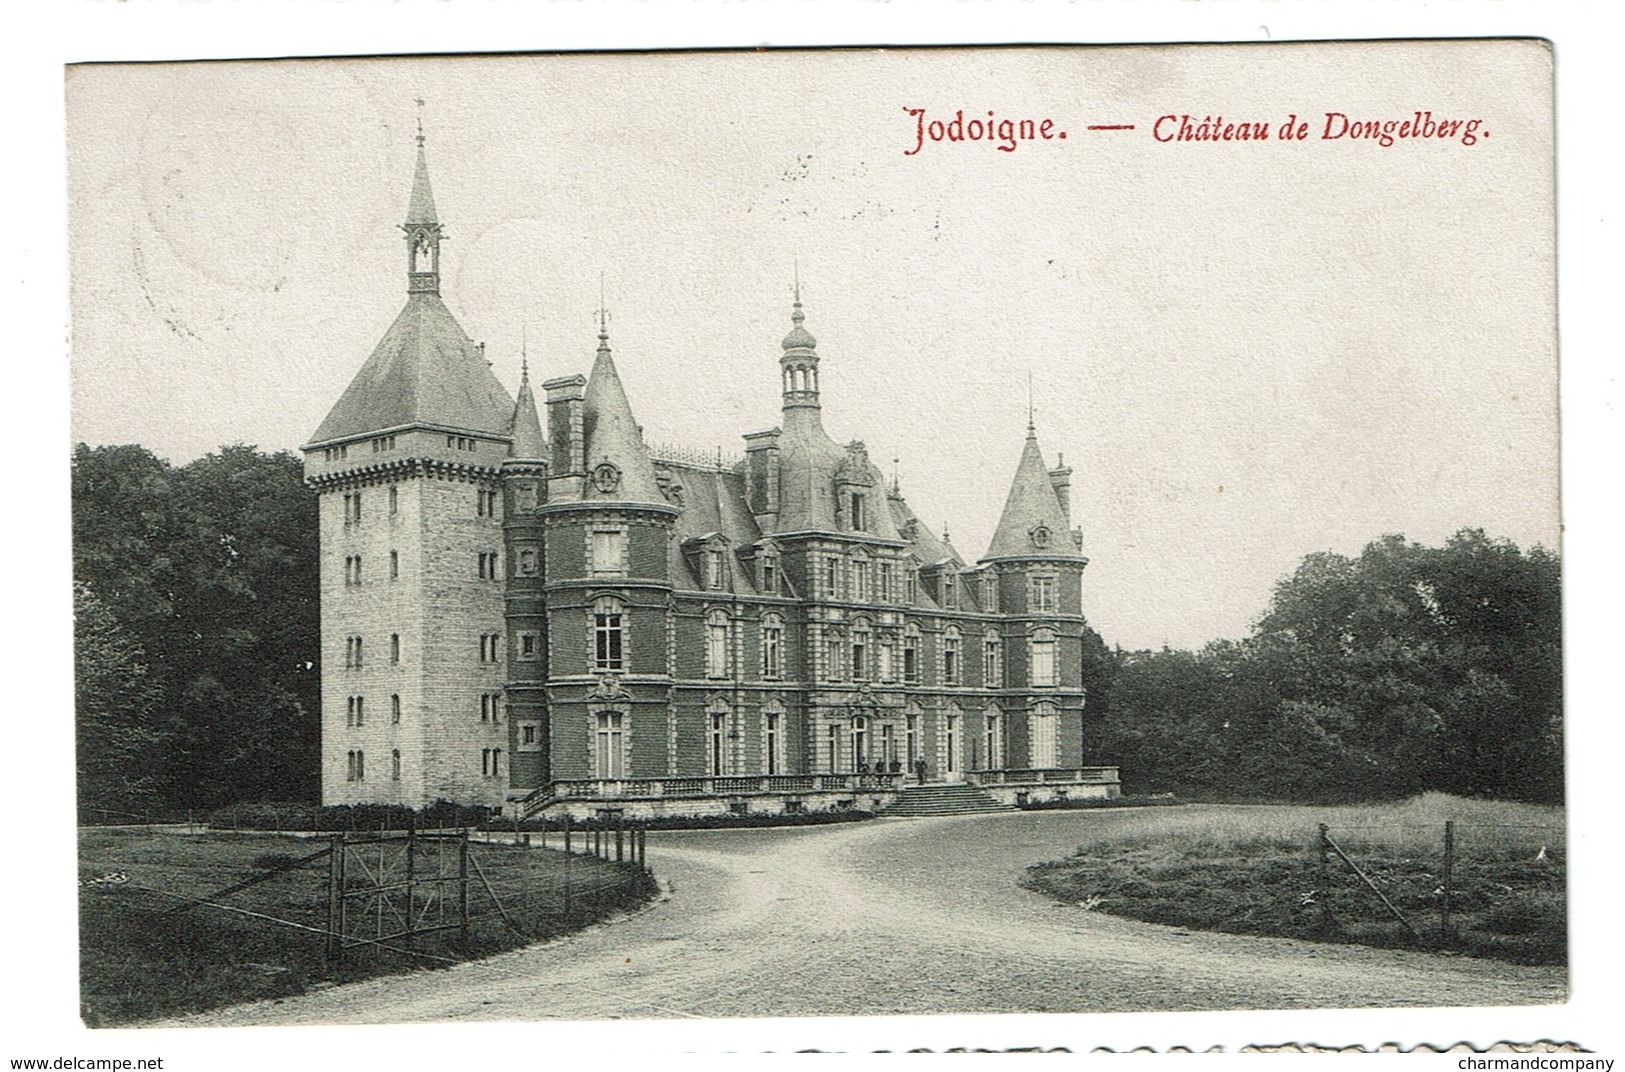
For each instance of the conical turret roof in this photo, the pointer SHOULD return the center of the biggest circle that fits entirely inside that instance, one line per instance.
(1033, 522)
(613, 437)
(528, 441)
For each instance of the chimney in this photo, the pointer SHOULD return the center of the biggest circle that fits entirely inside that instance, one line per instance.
(762, 472)
(564, 423)
(1060, 478)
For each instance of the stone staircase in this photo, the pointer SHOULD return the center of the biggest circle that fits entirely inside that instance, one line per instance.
(943, 798)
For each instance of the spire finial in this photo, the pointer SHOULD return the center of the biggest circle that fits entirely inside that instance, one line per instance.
(896, 475)
(420, 121)
(603, 312)
(796, 268)
(524, 357)
(1031, 432)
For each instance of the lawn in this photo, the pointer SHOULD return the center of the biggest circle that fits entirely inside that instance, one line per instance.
(147, 950)
(1257, 870)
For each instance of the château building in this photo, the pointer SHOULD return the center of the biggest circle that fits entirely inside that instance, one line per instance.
(524, 605)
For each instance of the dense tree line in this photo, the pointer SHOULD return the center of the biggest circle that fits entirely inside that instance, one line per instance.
(196, 629)
(1404, 669)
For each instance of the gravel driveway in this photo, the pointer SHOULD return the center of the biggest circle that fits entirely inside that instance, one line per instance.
(894, 916)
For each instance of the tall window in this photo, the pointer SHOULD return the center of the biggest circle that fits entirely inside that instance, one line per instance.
(490, 707)
(950, 741)
(490, 647)
(718, 753)
(911, 653)
(394, 565)
(911, 738)
(990, 591)
(530, 645)
(950, 656)
(607, 643)
(769, 566)
(992, 663)
(354, 711)
(772, 646)
(885, 582)
(835, 656)
(832, 578)
(716, 644)
(833, 738)
(610, 740)
(491, 762)
(716, 569)
(395, 765)
(992, 742)
(860, 651)
(888, 657)
(860, 580)
(394, 647)
(488, 565)
(485, 503)
(860, 514)
(352, 507)
(395, 709)
(1043, 648)
(607, 549)
(352, 652)
(771, 743)
(1041, 593)
(911, 585)
(950, 590)
(355, 765)
(394, 500)
(1044, 733)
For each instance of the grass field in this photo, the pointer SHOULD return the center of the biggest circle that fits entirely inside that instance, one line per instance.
(142, 959)
(1250, 869)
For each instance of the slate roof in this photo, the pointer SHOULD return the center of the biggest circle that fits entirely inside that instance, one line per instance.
(1032, 502)
(425, 370)
(528, 440)
(612, 435)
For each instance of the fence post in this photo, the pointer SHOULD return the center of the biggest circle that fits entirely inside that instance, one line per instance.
(411, 879)
(462, 886)
(335, 897)
(567, 849)
(620, 842)
(1449, 868)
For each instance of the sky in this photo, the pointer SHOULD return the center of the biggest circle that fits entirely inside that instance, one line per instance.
(1246, 351)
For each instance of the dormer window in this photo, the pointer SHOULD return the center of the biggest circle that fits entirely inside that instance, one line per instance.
(716, 569)
(859, 515)
(768, 574)
(950, 591)
(990, 592)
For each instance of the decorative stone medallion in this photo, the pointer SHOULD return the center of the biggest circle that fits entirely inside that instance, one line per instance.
(1039, 534)
(606, 477)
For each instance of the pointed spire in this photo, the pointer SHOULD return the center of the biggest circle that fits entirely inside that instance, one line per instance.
(617, 458)
(1034, 523)
(529, 442)
(421, 207)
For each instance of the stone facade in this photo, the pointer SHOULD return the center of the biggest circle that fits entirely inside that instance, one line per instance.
(551, 619)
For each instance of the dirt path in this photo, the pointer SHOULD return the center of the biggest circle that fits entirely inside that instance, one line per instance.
(894, 916)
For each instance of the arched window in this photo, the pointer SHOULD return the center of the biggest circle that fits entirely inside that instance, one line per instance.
(950, 655)
(911, 653)
(1043, 733)
(835, 655)
(395, 765)
(610, 740)
(772, 646)
(1043, 650)
(992, 662)
(716, 644)
(608, 643)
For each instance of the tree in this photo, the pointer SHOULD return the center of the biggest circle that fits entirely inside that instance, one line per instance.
(212, 568)
(119, 749)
